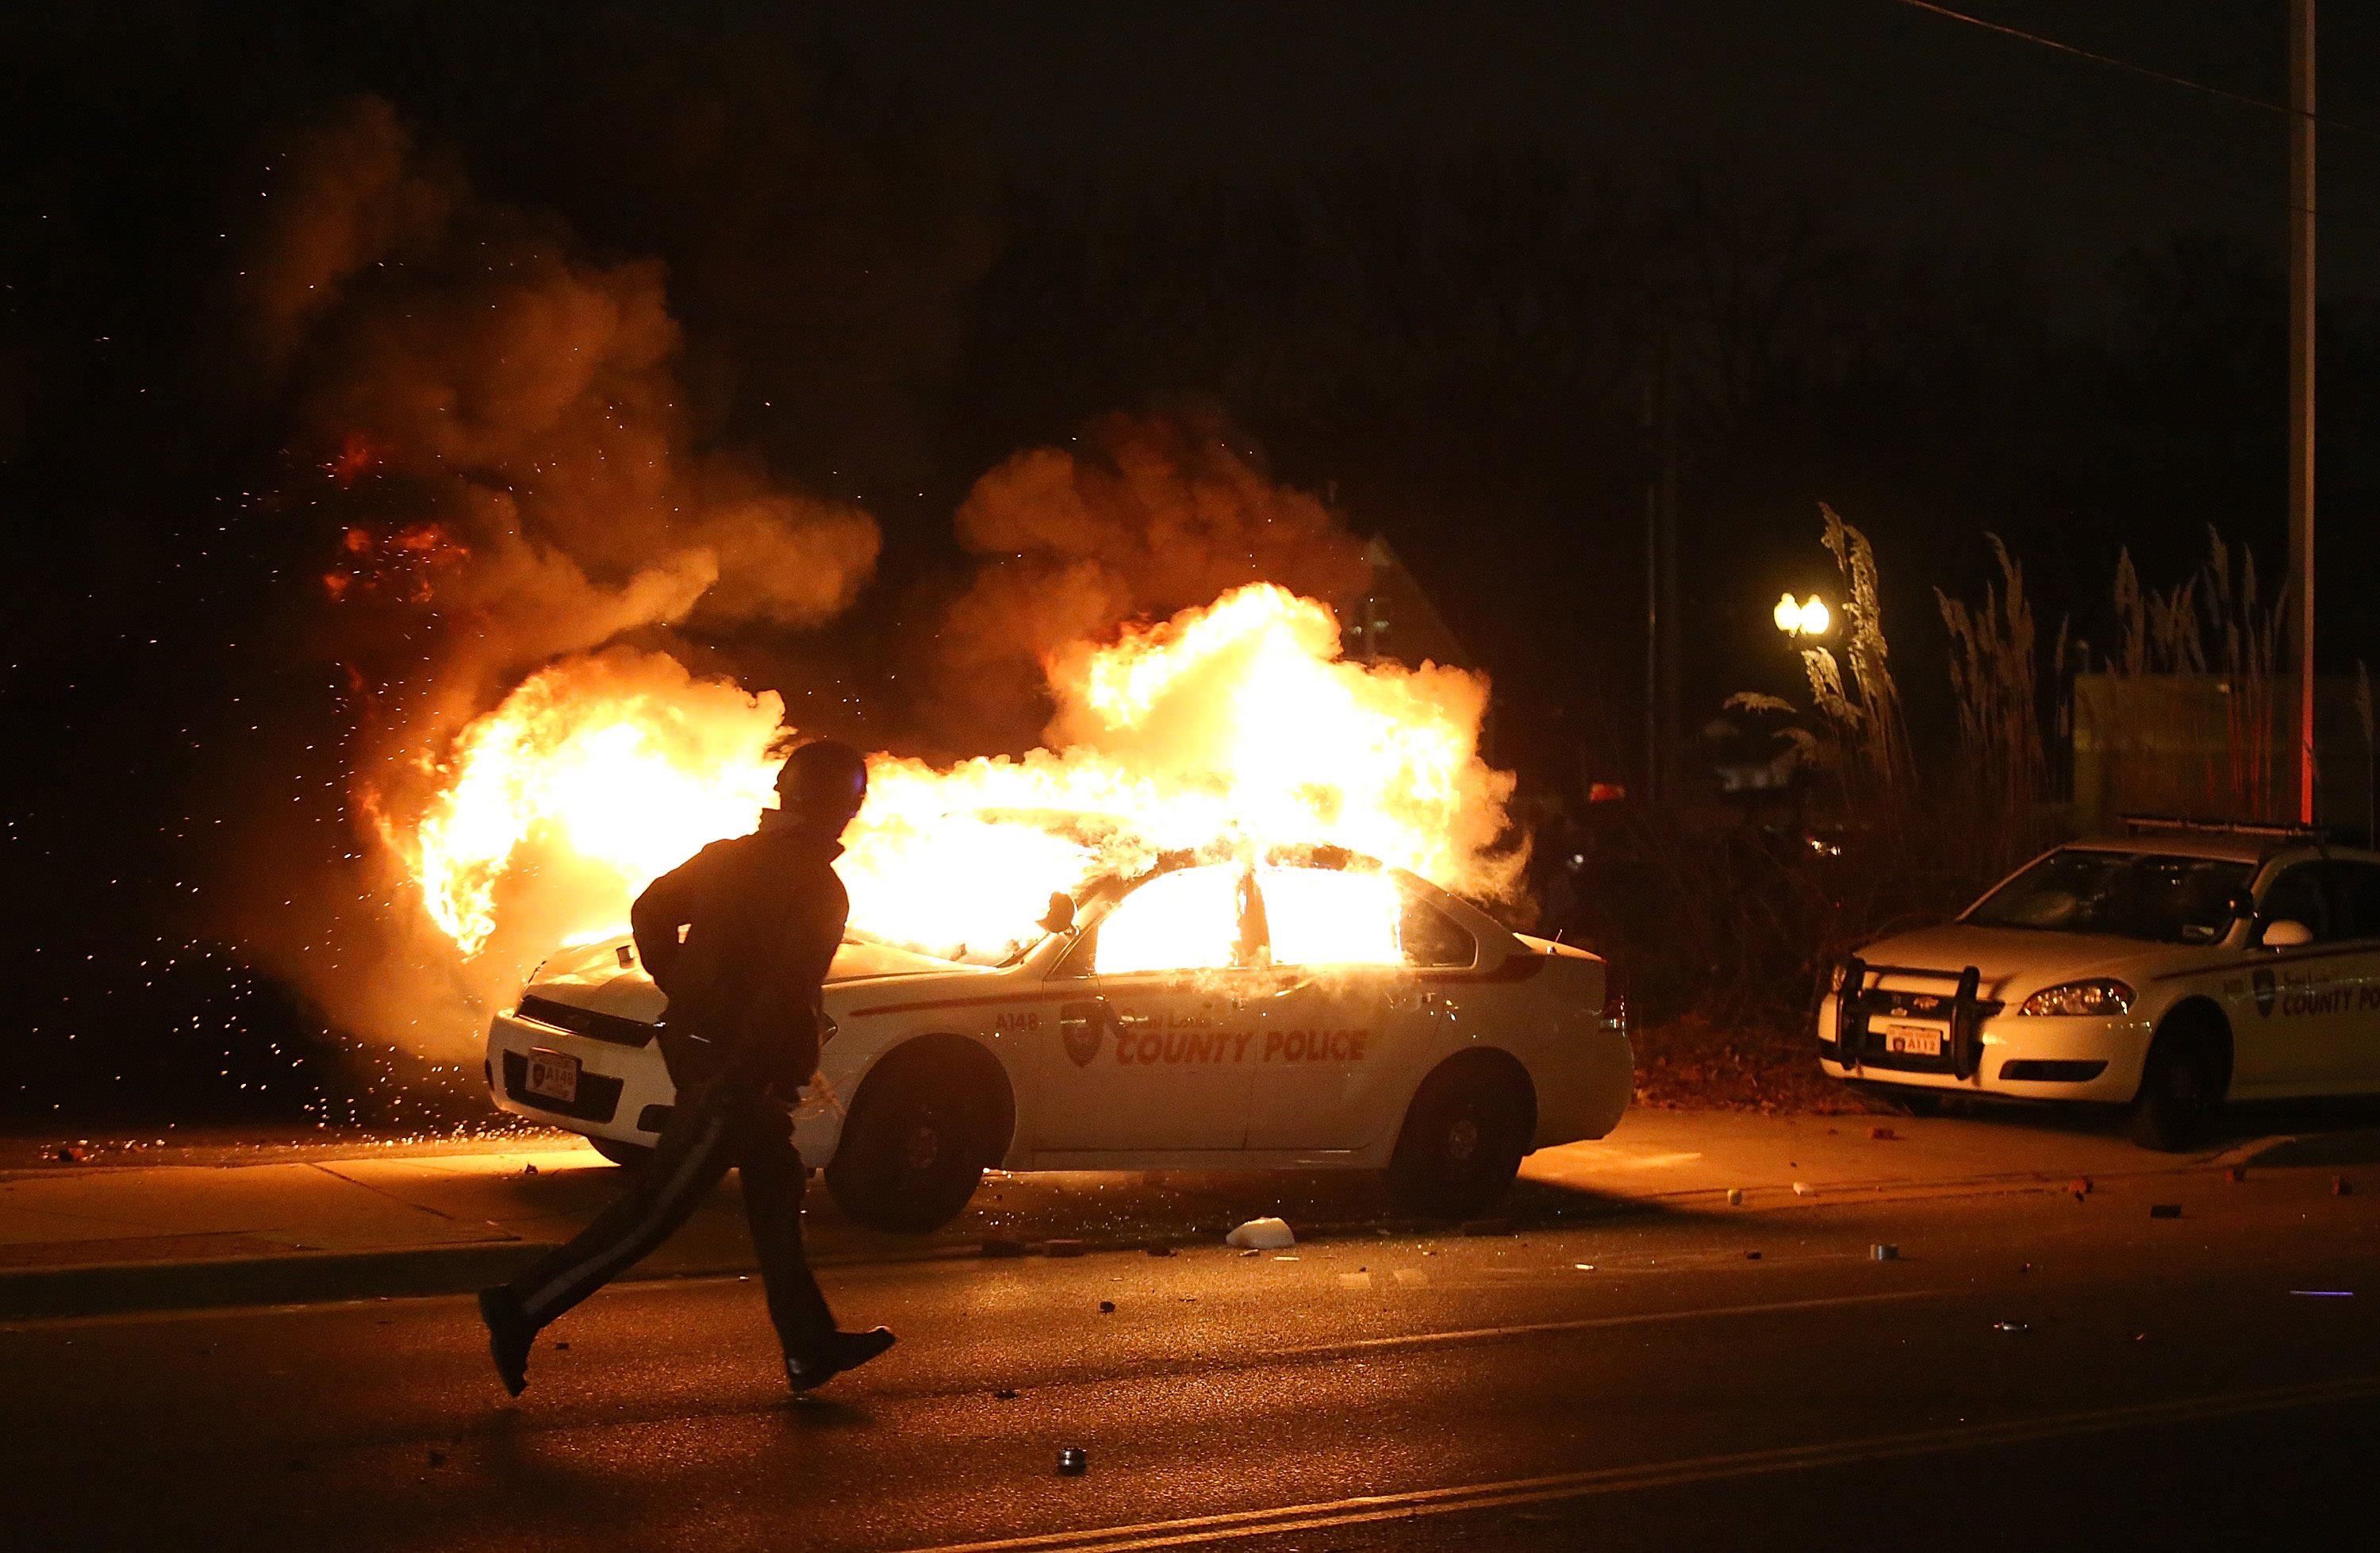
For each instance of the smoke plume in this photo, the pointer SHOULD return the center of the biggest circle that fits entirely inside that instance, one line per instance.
(527, 397)
(491, 436)
(1140, 517)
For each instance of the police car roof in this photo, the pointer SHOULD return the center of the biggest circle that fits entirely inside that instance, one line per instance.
(2227, 846)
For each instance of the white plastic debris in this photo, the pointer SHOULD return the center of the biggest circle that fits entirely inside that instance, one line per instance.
(1735, 1196)
(1802, 1188)
(1261, 1234)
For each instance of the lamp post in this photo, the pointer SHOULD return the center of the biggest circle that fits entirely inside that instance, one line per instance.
(1808, 617)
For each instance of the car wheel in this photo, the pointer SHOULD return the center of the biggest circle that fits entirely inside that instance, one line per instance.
(1461, 1141)
(626, 1156)
(914, 1148)
(2179, 1092)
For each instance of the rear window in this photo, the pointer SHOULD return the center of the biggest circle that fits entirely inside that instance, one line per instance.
(2124, 894)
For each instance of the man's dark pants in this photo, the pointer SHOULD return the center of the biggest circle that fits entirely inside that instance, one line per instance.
(729, 1120)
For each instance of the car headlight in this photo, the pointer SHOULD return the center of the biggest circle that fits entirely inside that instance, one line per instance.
(2098, 997)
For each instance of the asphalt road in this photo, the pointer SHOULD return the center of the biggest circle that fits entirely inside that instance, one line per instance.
(2032, 1370)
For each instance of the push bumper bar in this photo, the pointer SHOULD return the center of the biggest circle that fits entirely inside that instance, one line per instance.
(1964, 1011)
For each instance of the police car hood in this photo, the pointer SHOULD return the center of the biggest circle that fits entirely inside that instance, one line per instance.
(2013, 962)
(604, 977)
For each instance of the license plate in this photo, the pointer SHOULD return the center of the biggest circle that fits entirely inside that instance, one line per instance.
(1907, 1040)
(553, 1076)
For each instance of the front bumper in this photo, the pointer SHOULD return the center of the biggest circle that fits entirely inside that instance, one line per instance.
(2024, 1057)
(624, 1091)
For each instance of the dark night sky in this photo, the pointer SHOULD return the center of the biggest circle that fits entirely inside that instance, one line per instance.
(1950, 281)
(1887, 115)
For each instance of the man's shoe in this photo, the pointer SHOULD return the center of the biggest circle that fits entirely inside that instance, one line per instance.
(841, 1352)
(509, 1335)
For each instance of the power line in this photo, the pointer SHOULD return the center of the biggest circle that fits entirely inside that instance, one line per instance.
(2060, 46)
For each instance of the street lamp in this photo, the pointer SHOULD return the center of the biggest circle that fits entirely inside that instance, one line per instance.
(1808, 617)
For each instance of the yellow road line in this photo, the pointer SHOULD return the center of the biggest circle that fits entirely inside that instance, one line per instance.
(1582, 1324)
(1240, 1524)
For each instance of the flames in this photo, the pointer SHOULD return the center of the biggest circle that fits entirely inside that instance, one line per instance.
(1233, 728)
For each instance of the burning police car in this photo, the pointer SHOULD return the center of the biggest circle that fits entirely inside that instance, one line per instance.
(2168, 969)
(1319, 1011)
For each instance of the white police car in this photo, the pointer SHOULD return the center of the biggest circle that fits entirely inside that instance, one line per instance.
(2168, 969)
(1208, 1015)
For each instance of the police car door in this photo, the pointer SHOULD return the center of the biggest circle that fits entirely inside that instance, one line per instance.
(2300, 994)
(1153, 1053)
(1348, 1026)
(2349, 1054)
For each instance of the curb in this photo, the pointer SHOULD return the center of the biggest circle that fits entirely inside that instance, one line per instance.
(308, 1278)
(297, 1278)
(321, 1277)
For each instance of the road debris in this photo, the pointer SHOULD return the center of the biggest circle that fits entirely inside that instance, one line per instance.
(2236, 1174)
(1062, 1248)
(1735, 1196)
(1884, 1250)
(1261, 1234)
(1752, 1257)
(2014, 1329)
(2080, 1186)
(996, 1245)
(2165, 1210)
(1804, 1189)
(1883, 1134)
(1074, 1461)
(1107, 1307)
(1006, 1394)
(1157, 1248)
(2341, 1187)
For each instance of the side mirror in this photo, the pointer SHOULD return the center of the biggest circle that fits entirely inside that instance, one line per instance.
(2286, 932)
(1060, 917)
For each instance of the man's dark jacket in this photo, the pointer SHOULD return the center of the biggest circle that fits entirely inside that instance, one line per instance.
(762, 915)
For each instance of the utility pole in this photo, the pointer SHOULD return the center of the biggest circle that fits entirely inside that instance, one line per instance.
(2301, 341)
(1663, 640)
(1653, 620)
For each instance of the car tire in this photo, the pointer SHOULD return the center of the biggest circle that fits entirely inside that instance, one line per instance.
(626, 1156)
(1462, 1141)
(916, 1145)
(2180, 1090)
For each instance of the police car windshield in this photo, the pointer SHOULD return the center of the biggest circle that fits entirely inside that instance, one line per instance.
(2124, 894)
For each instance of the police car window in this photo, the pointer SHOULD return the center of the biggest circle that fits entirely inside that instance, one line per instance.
(1188, 920)
(2356, 889)
(1330, 916)
(2126, 895)
(2297, 895)
(1435, 941)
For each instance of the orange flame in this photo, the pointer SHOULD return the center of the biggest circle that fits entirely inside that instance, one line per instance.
(1236, 725)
